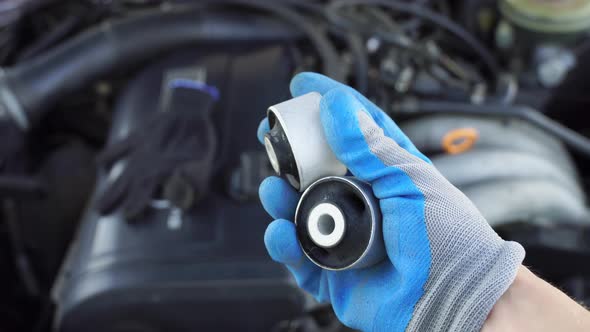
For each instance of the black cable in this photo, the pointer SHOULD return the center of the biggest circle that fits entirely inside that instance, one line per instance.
(326, 51)
(399, 39)
(7, 43)
(428, 15)
(415, 23)
(20, 186)
(50, 38)
(377, 15)
(571, 138)
(361, 62)
(351, 38)
(34, 86)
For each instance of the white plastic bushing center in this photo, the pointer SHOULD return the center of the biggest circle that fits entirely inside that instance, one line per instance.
(272, 156)
(326, 225)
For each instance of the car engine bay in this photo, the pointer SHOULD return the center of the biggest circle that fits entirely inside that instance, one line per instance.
(124, 208)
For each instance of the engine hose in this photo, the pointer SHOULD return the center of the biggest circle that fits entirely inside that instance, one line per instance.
(507, 163)
(29, 89)
(571, 138)
(315, 34)
(430, 16)
(353, 39)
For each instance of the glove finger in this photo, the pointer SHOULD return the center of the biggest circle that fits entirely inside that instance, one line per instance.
(307, 82)
(349, 300)
(138, 199)
(278, 198)
(360, 143)
(281, 242)
(115, 151)
(263, 128)
(112, 196)
(394, 174)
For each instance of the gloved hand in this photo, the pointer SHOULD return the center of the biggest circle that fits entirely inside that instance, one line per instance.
(171, 154)
(446, 267)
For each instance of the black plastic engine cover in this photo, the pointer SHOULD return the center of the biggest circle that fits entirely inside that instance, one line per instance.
(206, 270)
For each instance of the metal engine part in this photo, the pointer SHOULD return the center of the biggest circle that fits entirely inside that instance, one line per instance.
(548, 16)
(542, 37)
(513, 172)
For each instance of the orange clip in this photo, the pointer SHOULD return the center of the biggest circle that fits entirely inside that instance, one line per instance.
(459, 140)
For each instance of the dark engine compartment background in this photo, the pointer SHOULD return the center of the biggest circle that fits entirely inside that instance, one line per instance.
(217, 266)
(67, 268)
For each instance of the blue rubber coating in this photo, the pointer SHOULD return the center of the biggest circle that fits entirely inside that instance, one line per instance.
(381, 297)
(448, 279)
(278, 198)
(263, 128)
(307, 82)
(400, 201)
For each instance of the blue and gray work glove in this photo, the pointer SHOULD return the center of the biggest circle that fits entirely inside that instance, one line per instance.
(446, 267)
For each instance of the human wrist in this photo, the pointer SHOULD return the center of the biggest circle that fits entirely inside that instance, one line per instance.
(531, 304)
(463, 301)
(501, 317)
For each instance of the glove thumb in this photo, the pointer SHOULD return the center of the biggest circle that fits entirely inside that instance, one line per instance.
(340, 111)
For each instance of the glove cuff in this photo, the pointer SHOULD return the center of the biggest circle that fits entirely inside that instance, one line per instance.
(501, 274)
(466, 294)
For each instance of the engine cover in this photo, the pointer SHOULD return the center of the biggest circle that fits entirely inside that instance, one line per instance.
(198, 271)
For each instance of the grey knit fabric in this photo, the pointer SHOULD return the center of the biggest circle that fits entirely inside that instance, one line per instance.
(471, 265)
